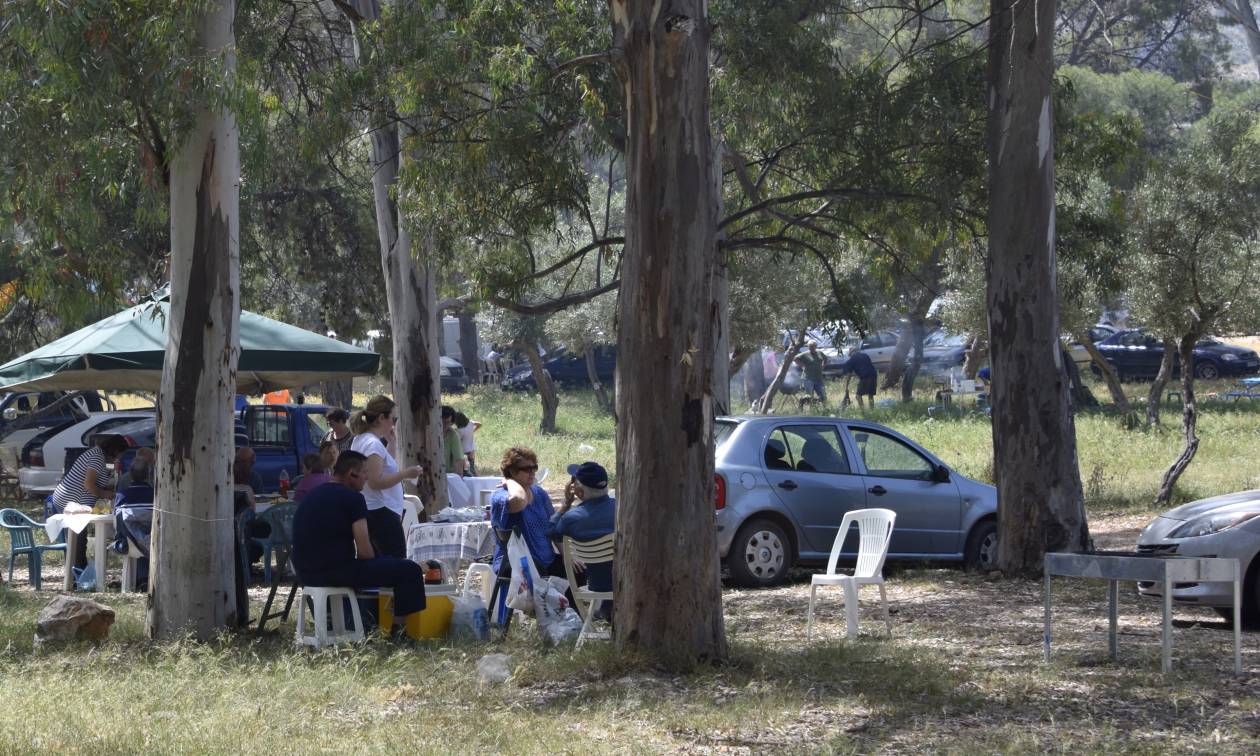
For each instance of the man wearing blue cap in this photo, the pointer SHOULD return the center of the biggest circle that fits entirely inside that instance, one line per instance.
(594, 517)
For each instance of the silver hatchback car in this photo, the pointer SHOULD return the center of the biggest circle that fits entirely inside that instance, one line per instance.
(1222, 526)
(784, 484)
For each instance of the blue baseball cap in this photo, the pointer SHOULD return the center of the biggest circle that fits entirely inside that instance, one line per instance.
(590, 474)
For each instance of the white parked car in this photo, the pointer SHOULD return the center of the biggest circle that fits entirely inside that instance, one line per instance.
(43, 457)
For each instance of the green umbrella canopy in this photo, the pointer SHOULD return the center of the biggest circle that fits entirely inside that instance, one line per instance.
(126, 351)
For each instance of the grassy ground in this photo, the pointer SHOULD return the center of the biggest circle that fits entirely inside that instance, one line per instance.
(961, 672)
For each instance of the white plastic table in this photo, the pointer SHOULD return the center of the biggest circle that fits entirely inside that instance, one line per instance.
(103, 527)
(1114, 567)
(466, 492)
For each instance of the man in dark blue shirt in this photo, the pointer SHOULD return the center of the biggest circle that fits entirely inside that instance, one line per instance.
(860, 365)
(331, 545)
(594, 517)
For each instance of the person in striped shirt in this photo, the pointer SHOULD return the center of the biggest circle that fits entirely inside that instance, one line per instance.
(88, 480)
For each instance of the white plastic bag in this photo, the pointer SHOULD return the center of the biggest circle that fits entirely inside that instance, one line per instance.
(524, 575)
(469, 618)
(556, 619)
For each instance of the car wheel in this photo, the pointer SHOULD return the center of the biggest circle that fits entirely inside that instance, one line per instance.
(760, 555)
(1207, 370)
(1250, 599)
(981, 552)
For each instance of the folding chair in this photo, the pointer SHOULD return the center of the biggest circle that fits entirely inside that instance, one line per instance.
(599, 551)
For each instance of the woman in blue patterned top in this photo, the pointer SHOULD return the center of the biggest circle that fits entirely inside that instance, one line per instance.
(521, 505)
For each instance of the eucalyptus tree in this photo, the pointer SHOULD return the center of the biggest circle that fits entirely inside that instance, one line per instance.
(1195, 251)
(1040, 501)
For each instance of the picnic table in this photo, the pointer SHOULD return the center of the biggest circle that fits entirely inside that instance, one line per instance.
(452, 543)
(1248, 388)
(75, 524)
(1115, 566)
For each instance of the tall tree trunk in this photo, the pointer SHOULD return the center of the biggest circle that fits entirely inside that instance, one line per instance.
(1040, 502)
(191, 586)
(765, 403)
(546, 389)
(338, 393)
(601, 394)
(1242, 12)
(755, 379)
(1114, 387)
(1155, 396)
(668, 597)
(916, 363)
(1189, 421)
(411, 291)
(901, 354)
(721, 321)
(469, 354)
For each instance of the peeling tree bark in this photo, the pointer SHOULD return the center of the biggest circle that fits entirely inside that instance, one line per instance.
(546, 389)
(411, 290)
(1040, 502)
(191, 588)
(1189, 421)
(668, 597)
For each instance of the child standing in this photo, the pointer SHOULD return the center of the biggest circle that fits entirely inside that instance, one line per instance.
(466, 429)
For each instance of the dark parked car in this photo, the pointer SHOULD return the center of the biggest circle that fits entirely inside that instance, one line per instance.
(567, 370)
(452, 376)
(943, 350)
(1137, 354)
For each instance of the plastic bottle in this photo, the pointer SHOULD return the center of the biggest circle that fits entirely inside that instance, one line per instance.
(284, 482)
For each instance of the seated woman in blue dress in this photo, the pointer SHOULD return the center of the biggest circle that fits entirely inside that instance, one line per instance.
(523, 506)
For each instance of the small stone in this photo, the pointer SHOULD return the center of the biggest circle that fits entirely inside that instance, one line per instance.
(73, 618)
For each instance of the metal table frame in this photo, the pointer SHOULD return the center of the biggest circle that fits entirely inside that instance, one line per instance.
(1167, 570)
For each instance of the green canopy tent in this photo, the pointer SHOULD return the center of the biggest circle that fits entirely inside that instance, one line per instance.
(125, 352)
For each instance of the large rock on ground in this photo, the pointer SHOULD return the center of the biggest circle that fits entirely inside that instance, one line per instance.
(73, 618)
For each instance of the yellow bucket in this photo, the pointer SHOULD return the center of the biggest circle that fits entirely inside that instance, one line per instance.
(434, 621)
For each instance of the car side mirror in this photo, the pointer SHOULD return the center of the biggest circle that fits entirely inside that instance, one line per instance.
(940, 474)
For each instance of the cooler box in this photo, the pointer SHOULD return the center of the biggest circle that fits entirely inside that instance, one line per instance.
(433, 622)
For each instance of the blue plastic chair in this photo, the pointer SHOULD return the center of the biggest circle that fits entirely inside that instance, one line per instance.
(280, 517)
(22, 541)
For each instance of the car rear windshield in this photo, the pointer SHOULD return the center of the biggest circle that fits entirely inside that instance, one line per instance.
(722, 430)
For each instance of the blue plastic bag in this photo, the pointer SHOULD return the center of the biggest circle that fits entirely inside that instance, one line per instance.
(85, 579)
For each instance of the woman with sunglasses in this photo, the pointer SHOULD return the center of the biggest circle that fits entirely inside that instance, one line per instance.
(523, 506)
(374, 438)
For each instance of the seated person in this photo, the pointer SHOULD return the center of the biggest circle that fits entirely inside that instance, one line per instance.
(594, 517)
(148, 455)
(331, 545)
(241, 487)
(88, 480)
(522, 506)
(313, 475)
(139, 489)
(246, 457)
(774, 454)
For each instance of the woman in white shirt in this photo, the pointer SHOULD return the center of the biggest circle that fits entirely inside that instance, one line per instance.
(374, 438)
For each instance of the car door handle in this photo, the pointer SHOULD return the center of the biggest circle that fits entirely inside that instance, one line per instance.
(789, 485)
(877, 490)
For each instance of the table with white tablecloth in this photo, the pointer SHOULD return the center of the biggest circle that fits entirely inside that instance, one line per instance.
(466, 492)
(451, 543)
(75, 524)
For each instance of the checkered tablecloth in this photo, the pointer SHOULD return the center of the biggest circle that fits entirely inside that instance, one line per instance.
(450, 542)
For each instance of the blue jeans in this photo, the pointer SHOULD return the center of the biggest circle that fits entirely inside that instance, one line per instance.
(816, 387)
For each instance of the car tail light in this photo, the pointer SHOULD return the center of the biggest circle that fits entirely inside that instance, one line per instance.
(36, 458)
(719, 492)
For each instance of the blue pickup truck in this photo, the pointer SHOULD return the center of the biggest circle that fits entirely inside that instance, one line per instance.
(280, 435)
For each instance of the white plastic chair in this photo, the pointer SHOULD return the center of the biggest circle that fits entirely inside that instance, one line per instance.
(875, 528)
(323, 610)
(599, 551)
(411, 512)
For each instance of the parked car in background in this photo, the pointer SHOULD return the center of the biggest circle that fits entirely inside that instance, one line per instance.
(1080, 355)
(878, 345)
(452, 376)
(784, 484)
(1223, 526)
(1136, 354)
(943, 351)
(568, 370)
(43, 458)
(28, 409)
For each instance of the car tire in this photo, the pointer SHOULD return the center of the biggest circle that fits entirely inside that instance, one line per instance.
(1207, 370)
(1250, 599)
(981, 552)
(760, 555)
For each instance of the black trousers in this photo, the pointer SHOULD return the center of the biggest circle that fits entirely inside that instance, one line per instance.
(386, 532)
(403, 575)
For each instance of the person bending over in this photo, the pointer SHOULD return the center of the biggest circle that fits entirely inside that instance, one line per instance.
(88, 480)
(331, 546)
